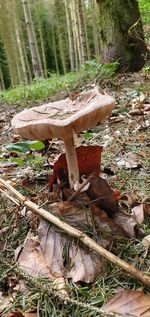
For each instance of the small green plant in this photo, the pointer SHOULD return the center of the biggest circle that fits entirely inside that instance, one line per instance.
(25, 146)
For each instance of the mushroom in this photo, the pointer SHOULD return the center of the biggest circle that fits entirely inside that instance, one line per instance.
(61, 119)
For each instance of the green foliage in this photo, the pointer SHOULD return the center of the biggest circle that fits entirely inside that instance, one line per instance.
(88, 135)
(144, 6)
(25, 146)
(43, 89)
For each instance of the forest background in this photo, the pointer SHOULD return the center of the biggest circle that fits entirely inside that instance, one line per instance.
(41, 37)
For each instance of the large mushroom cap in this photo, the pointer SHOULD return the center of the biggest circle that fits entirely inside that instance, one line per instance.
(59, 119)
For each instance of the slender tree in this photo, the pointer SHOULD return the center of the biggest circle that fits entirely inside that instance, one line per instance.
(39, 13)
(70, 35)
(82, 31)
(36, 60)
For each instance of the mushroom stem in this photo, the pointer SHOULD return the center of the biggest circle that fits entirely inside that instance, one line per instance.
(72, 163)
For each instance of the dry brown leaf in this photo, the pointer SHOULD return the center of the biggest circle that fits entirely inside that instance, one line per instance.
(31, 258)
(130, 160)
(129, 303)
(4, 301)
(56, 256)
(132, 199)
(146, 243)
(67, 258)
(102, 195)
(138, 213)
(127, 222)
(146, 209)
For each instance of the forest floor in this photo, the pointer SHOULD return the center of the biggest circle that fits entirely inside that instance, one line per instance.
(125, 165)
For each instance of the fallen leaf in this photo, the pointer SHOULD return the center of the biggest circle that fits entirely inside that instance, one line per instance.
(129, 303)
(65, 257)
(127, 222)
(129, 160)
(4, 301)
(132, 199)
(138, 213)
(146, 209)
(55, 255)
(116, 119)
(102, 195)
(146, 107)
(31, 259)
(146, 243)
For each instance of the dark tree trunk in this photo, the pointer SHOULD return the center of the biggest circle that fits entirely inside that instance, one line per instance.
(121, 34)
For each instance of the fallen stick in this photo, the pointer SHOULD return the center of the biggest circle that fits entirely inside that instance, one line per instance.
(90, 243)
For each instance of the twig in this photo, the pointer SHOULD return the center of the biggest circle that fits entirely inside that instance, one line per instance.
(10, 197)
(90, 243)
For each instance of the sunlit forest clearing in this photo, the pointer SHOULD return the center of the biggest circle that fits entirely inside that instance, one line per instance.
(74, 158)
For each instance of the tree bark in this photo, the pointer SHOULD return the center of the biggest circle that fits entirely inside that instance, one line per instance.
(121, 34)
(82, 32)
(95, 28)
(74, 35)
(70, 36)
(38, 7)
(36, 61)
(55, 51)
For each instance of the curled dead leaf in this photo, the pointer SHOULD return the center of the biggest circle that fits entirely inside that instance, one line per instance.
(129, 160)
(129, 303)
(138, 213)
(102, 195)
(146, 243)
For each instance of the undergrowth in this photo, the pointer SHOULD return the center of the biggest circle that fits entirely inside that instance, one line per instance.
(43, 89)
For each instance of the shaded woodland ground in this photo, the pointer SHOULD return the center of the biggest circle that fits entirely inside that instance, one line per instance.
(125, 165)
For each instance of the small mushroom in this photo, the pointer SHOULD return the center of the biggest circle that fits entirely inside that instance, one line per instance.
(61, 119)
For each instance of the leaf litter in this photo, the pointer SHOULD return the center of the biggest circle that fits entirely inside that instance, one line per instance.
(140, 140)
(129, 303)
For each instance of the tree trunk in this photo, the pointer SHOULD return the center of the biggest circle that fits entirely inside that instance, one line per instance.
(70, 36)
(2, 83)
(75, 24)
(21, 53)
(74, 35)
(121, 34)
(82, 32)
(95, 28)
(55, 51)
(37, 7)
(36, 61)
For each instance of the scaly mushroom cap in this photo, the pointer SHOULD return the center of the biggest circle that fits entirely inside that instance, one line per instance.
(59, 119)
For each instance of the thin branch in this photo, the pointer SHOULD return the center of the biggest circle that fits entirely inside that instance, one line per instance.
(91, 244)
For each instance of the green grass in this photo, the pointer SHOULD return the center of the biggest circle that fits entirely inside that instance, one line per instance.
(43, 89)
(144, 6)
